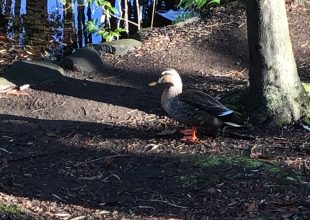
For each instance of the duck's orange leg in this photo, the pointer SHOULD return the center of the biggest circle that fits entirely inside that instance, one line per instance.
(189, 136)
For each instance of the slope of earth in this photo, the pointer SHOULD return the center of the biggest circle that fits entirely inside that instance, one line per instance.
(90, 147)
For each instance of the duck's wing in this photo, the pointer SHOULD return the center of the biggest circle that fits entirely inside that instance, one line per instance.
(204, 102)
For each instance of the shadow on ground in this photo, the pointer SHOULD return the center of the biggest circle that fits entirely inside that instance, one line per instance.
(133, 94)
(50, 167)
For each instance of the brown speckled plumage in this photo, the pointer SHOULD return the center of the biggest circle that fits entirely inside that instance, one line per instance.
(192, 108)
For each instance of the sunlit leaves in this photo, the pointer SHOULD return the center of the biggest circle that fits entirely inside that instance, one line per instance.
(92, 26)
(198, 3)
(101, 30)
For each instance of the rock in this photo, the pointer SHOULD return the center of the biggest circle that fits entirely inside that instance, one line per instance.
(85, 60)
(142, 34)
(33, 72)
(117, 47)
(5, 85)
(188, 21)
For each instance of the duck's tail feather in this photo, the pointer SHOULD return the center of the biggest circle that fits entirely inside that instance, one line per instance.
(232, 124)
(234, 119)
(228, 112)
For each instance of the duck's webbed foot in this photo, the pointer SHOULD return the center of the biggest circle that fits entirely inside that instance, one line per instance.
(189, 136)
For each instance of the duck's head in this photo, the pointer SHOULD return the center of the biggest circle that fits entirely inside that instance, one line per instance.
(169, 77)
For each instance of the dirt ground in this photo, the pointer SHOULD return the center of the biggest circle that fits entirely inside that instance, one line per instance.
(90, 147)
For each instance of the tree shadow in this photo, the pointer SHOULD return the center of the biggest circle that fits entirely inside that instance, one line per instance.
(51, 168)
(112, 86)
(30, 128)
(145, 99)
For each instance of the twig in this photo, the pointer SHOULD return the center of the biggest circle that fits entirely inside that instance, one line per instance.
(132, 111)
(126, 19)
(218, 24)
(101, 158)
(58, 197)
(97, 177)
(116, 176)
(306, 127)
(5, 150)
(166, 202)
(138, 14)
(145, 207)
(123, 19)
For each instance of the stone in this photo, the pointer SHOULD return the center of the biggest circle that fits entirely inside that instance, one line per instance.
(188, 21)
(117, 47)
(5, 85)
(86, 60)
(33, 72)
(142, 34)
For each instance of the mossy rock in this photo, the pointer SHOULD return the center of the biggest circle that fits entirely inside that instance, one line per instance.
(118, 47)
(33, 72)
(5, 85)
(85, 60)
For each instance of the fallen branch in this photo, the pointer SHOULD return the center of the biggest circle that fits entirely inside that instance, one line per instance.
(123, 19)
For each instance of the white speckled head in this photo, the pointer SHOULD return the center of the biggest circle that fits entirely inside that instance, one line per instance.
(171, 77)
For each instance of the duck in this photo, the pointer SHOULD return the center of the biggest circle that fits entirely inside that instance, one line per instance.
(193, 108)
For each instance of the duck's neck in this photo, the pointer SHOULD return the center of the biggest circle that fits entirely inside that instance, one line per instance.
(174, 91)
(169, 93)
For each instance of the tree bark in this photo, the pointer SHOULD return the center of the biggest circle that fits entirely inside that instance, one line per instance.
(36, 23)
(276, 92)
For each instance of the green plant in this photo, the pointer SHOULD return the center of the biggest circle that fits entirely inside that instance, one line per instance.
(198, 3)
(104, 29)
(12, 209)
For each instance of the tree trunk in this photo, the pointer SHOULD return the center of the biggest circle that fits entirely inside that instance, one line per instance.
(17, 8)
(276, 92)
(36, 23)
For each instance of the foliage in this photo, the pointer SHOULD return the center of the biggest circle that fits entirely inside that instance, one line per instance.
(108, 35)
(306, 87)
(12, 209)
(198, 3)
(103, 29)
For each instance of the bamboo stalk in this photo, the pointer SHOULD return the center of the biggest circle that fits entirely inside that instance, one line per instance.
(120, 14)
(123, 19)
(153, 13)
(126, 16)
(138, 15)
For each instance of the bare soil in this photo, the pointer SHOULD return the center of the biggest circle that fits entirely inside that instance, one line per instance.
(90, 147)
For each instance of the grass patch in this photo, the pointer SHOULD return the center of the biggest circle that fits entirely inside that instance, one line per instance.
(245, 162)
(216, 168)
(10, 209)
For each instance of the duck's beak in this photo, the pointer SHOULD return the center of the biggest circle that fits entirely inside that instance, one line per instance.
(161, 80)
(153, 84)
